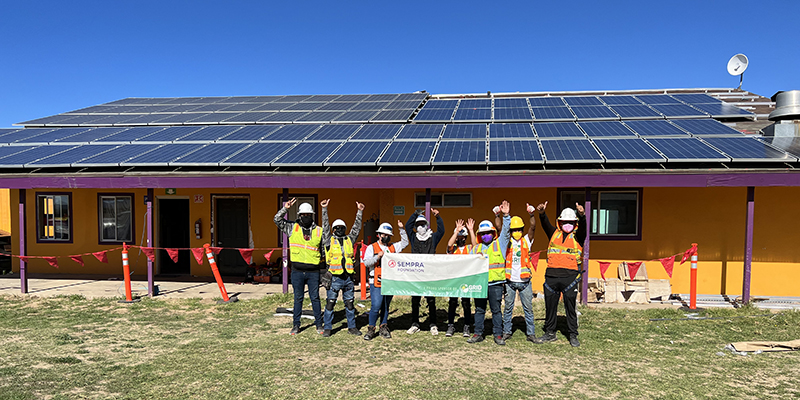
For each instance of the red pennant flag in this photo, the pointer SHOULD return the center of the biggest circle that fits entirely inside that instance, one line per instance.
(247, 254)
(53, 261)
(688, 254)
(198, 253)
(535, 260)
(269, 255)
(668, 263)
(216, 250)
(101, 255)
(150, 253)
(77, 259)
(603, 268)
(173, 254)
(633, 268)
(23, 258)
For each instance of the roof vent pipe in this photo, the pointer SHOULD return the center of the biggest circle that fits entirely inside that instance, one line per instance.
(787, 105)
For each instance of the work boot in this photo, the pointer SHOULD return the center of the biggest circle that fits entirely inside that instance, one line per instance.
(434, 330)
(548, 337)
(326, 333)
(475, 339)
(573, 340)
(451, 329)
(499, 340)
(370, 333)
(506, 336)
(295, 330)
(414, 329)
(466, 331)
(320, 330)
(384, 332)
(354, 331)
(534, 339)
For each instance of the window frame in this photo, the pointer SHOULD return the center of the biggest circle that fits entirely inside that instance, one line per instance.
(595, 205)
(443, 194)
(39, 215)
(100, 239)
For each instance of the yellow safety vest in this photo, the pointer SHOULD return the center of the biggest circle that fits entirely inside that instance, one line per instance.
(335, 253)
(305, 251)
(497, 261)
(566, 253)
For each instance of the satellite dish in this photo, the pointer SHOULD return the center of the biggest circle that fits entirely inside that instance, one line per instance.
(736, 66)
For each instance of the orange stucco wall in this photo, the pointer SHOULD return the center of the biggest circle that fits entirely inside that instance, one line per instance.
(672, 219)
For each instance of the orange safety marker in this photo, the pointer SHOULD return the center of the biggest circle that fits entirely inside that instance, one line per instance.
(217, 277)
(693, 281)
(126, 272)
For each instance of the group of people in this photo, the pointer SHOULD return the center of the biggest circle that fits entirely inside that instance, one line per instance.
(325, 254)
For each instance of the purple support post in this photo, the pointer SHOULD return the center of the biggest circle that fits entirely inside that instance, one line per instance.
(748, 244)
(428, 206)
(23, 266)
(150, 283)
(587, 208)
(285, 273)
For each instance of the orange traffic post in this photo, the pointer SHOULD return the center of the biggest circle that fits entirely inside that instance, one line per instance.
(126, 272)
(693, 282)
(215, 270)
(363, 272)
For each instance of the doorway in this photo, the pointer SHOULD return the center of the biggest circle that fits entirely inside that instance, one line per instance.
(173, 231)
(232, 231)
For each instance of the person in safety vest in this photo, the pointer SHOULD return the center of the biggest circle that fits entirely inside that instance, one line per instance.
(372, 260)
(564, 260)
(424, 241)
(458, 245)
(492, 246)
(518, 274)
(340, 257)
(305, 238)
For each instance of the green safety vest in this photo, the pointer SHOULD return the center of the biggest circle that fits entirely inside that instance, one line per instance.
(497, 261)
(335, 254)
(305, 251)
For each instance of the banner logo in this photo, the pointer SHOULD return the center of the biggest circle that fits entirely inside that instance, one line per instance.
(392, 263)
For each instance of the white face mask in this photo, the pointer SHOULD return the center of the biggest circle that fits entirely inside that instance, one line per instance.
(422, 229)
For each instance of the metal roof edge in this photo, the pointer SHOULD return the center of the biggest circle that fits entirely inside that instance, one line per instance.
(579, 92)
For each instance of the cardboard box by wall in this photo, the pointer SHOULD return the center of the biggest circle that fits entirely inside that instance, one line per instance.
(637, 292)
(613, 291)
(660, 289)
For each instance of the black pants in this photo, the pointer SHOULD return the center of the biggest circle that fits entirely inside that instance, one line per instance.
(551, 304)
(465, 304)
(415, 300)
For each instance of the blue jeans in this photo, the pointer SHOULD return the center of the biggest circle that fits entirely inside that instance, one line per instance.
(299, 280)
(380, 305)
(495, 299)
(347, 288)
(526, 298)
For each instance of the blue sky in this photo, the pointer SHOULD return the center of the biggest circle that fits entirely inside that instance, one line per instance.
(64, 55)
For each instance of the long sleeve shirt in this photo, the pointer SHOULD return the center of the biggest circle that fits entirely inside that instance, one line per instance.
(370, 258)
(326, 235)
(287, 227)
(429, 247)
(502, 242)
(550, 230)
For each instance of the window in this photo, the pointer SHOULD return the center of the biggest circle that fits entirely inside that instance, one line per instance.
(616, 214)
(116, 218)
(53, 217)
(444, 200)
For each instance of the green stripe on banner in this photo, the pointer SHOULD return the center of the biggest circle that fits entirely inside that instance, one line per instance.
(474, 286)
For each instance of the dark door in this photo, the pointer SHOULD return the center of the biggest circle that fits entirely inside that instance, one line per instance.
(232, 229)
(173, 231)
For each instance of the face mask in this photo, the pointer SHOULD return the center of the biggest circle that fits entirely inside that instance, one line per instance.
(487, 238)
(567, 228)
(306, 220)
(386, 239)
(517, 235)
(421, 229)
(338, 231)
(460, 242)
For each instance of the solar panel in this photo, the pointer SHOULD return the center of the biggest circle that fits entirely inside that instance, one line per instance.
(319, 116)
(426, 131)
(620, 100)
(110, 120)
(393, 116)
(464, 132)
(71, 156)
(686, 149)
(212, 154)
(370, 105)
(206, 119)
(475, 103)
(292, 132)
(380, 97)
(451, 104)
(515, 152)
(151, 109)
(606, 129)
(789, 144)
(209, 133)
(407, 153)
(23, 134)
(7, 131)
(163, 155)
(678, 110)
(557, 130)
(93, 119)
(377, 132)
(546, 102)
(307, 153)
(304, 106)
(169, 134)
(560, 151)
(55, 119)
(247, 117)
(237, 107)
(635, 112)
(706, 127)
(91, 135)
(516, 131)
(295, 98)
(722, 110)
(250, 133)
(285, 117)
(473, 114)
(273, 107)
(352, 97)
(399, 105)
(583, 101)
(212, 107)
(434, 114)
(357, 153)
(695, 98)
(258, 154)
(145, 119)
(512, 114)
(356, 116)
(324, 97)
(412, 96)
(552, 113)
(510, 103)
(53, 135)
(115, 156)
(748, 149)
(627, 151)
(657, 99)
(17, 160)
(594, 112)
(334, 132)
(184, 108)
(6, 151)
(95, 110)
(655, 128)
(338, 106)
(460, 152)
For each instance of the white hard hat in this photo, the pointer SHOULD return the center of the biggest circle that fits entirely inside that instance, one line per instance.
(463, 232)
(568, 215)
(305, 208)
(486, 226)
(421, 218)
(338, 222)
(385, 228)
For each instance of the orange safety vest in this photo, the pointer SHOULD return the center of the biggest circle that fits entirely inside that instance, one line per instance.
(376, 248)
(525, 261)
(467, 249)
(564, 253)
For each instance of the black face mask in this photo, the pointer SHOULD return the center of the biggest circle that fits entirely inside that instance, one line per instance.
(306, 220)
(460, 242)
(338, 231)
(386, 239)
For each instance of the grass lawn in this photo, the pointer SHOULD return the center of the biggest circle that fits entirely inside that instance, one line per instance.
(70, 347)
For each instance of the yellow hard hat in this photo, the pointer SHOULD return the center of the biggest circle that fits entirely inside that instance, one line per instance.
(516, 223)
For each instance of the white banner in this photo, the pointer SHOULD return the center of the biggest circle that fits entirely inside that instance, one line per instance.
(438, 275)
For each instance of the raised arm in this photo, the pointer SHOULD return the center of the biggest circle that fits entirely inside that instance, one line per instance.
(356, 229)
(580, 232)
(403, 243)
(326, 226)
(548, 228)
(284, 225)
(411, 223)
(452, 240)
(471, 230)
(504, 232)
(532, 228)
(439, 234)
